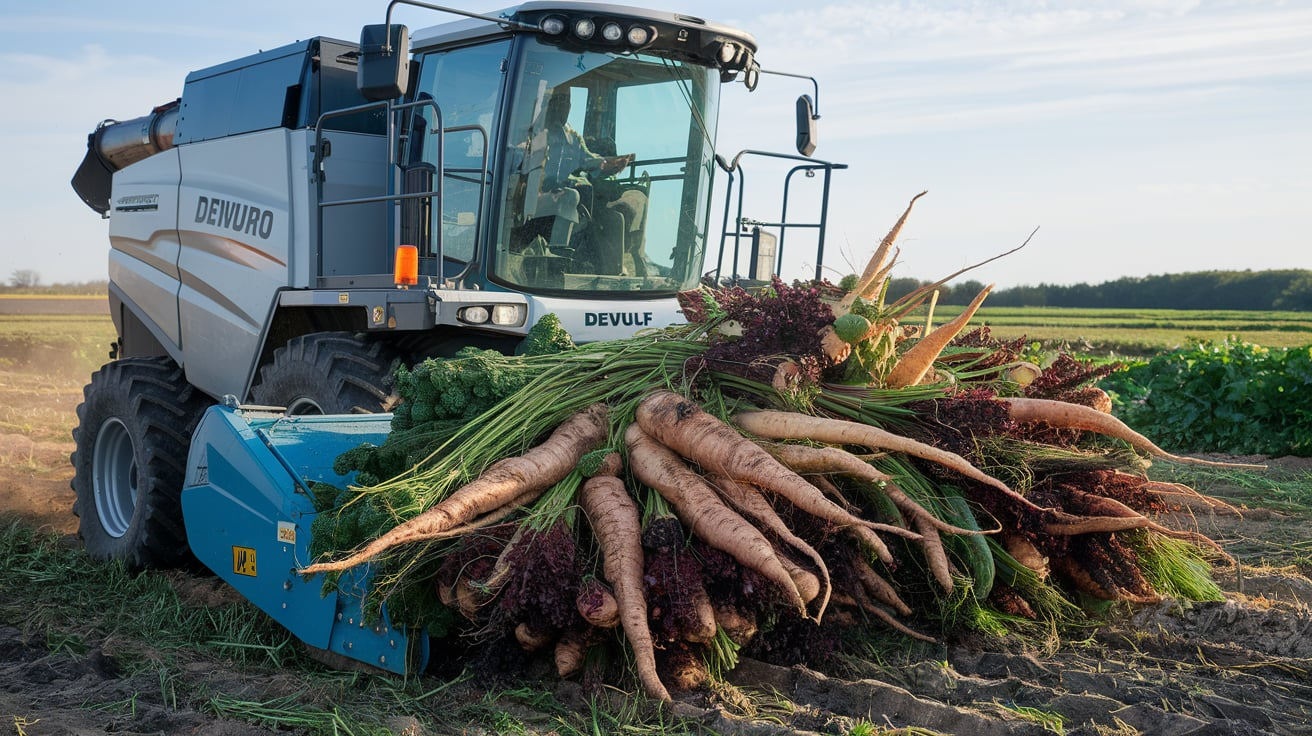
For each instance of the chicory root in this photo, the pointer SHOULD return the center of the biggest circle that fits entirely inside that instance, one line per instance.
(1063, 415)
(615, 522)
(699, 507)
(784, 425)
(504, 481)
(749, 501)
(682, 426)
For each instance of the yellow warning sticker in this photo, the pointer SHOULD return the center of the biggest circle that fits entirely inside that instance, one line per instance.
(243, 561)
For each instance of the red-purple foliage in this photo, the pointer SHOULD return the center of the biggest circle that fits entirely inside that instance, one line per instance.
(952, 423)
(1067, 376)
(781, 322)
(474, 555)
(544, 579)
(729, 582)
(672, 575)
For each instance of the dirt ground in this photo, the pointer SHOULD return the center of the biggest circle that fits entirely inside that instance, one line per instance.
(1242, 666)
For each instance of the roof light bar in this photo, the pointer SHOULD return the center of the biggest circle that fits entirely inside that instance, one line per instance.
(553, 25)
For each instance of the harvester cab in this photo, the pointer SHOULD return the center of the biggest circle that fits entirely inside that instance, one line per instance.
(301, 219)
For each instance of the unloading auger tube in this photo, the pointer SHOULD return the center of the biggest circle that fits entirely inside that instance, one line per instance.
(115, 144)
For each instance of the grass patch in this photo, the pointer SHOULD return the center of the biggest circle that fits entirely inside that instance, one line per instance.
(1288, 492)
(62, 594)
(230, 660)
(1053, 722)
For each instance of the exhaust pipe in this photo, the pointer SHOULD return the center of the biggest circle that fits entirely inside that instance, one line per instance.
(114, 145)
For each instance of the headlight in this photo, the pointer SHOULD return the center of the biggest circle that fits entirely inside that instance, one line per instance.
(640, 36)
(474, 315)
(553, 25)
(509, 315)
(584, 28)
(612, 32)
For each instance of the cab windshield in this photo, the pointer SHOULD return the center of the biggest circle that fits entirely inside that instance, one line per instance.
(609, 172)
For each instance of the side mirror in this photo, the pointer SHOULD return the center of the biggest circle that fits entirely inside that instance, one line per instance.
(384, 69)
(806, 126)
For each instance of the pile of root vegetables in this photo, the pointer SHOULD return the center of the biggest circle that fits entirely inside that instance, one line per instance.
(793, 475)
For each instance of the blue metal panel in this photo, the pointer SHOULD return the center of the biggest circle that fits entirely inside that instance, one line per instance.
(248, 517)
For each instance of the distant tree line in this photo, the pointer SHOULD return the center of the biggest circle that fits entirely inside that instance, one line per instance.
(28, 281)
(1253, 290)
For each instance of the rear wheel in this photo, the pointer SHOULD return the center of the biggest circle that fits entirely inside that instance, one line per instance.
(134, 429)
(327, 373)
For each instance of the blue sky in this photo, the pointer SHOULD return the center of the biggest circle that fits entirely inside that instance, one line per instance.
(1141, 137)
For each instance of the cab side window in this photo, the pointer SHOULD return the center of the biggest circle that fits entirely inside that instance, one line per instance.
(466, 85)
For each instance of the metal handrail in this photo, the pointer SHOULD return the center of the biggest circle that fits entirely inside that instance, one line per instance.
(737, 173)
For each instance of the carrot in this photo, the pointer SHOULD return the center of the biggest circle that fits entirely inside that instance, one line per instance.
(876, 263)
(868, 539)
(597, 605)
(1104, 569)
(1163, 489)
(808, 585)
(826, 486)
(468, 598)
(864, 535)
(570, 649)
(700, 509)
(684, 668)
(916, 362)
(682, 426)
(1023, 551)
(861, 600)
(879, 588)
(749, 501)
(806, 459)
(740, 627)
(935, 555)
(702, 629)
(1065, 415)
(785, 425)
(615, 522)
(530, 638)
(500, 574)
(1092, 503)
(505, 480)
(835, 348)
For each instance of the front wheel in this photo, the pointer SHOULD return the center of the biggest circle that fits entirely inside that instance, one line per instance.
(129, 462)
(327, 373)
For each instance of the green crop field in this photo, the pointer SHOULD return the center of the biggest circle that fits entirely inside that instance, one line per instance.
(38, 329)
(1134, 332)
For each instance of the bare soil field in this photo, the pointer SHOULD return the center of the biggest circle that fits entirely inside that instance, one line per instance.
(1240, 666)
(47, 305)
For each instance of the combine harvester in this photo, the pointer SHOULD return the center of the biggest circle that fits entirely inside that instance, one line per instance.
(303, 218)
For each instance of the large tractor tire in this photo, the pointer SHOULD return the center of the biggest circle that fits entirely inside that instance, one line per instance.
(129, 462)
(327, 373)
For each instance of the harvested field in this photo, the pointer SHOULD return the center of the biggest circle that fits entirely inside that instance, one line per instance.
(89, 649)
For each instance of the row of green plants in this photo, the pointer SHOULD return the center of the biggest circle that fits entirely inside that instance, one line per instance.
(1220, 396)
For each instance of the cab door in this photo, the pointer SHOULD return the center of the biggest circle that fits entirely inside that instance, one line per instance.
(466, 85)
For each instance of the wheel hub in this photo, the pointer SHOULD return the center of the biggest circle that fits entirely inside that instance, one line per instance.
(114, 477)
